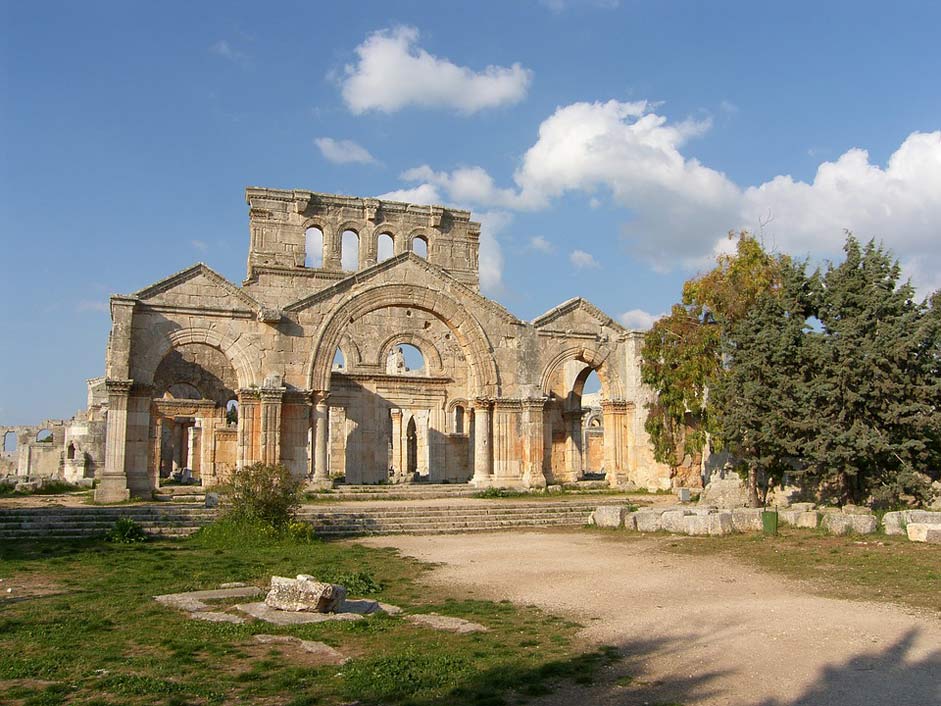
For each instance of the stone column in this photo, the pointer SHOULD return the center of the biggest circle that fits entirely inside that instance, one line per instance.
(248, 409)
(533, 442)
(397, 462)
(483, 458)
(331, 249)
(615, 440)
(112, 485)
(573, 444)
(321, 474)
(157, 450)
(271, 424)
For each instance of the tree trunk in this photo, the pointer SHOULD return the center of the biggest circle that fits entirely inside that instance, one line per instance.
(753, 500)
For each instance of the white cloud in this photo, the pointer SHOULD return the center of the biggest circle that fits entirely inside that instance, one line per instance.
(200, 245)
(392, 72)
(425, 194)
(582, 260)
(491, 255)
(540, 244)
(226, 51)
(638, 319)
(679, 210)
(343, 151)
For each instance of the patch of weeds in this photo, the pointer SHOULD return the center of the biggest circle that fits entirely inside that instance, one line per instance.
(126, 531)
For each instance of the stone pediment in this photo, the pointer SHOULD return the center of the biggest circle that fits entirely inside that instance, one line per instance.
(412, 269)
(575, 315)
(198, 287)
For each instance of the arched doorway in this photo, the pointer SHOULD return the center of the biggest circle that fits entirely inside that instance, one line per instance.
(411, 441)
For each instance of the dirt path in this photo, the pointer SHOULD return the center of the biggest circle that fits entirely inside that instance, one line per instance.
(696, 630)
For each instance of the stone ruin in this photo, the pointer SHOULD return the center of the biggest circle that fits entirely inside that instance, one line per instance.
(300, 365)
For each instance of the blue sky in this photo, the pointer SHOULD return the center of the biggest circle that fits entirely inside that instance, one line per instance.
(606, 146)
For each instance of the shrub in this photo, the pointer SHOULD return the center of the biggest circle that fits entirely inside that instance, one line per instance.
(357, 583)
(126, 531)
(263, 494)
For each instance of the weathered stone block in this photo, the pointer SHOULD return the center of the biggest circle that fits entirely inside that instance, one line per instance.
(807, 520)
(895, 522)
(647, 521)
(802, 507)
(611, 516)
(674, 521)
(924, 532)
(746, 519)
(304, 594)
(849, 524)
(789, 517)
(856, 510)
(716, 524)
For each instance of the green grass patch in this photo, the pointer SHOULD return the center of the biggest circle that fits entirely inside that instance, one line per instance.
(859, 567)
(81, 627)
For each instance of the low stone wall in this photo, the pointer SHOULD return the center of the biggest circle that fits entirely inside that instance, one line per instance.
(699, 520)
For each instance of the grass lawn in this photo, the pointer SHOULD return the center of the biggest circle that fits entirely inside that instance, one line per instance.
(871, 567)
(81, 626)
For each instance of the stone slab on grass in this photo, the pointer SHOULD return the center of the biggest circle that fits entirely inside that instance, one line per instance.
(609, 516)
(746, 519)
(323, 651)
(894, 522)
(445, 622)
(849, 524)
(212, 616)
(304, 593)
(264, 612)
(924, 532)
(195, 601)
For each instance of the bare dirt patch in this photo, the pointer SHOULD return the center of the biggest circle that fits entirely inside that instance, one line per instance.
(696, 630)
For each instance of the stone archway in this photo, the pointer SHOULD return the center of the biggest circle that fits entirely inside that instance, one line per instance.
(468, 332)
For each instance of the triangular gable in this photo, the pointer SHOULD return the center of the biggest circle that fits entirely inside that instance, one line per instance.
(575, 314)
(198, 286)
(405, 261)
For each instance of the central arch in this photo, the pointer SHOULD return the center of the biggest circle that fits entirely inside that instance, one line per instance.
(468, 332)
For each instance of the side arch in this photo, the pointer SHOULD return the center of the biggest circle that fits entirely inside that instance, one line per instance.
(466, 329)
(595, 359)
(230, 348)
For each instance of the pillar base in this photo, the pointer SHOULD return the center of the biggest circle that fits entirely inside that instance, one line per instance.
(112, 489)
(318, 484)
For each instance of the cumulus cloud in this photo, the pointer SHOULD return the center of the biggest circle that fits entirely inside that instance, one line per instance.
(582, 260)
(343, 151)
(392, 72)
(425, 194)
(678, 210)
(638, 319)
(540, 244)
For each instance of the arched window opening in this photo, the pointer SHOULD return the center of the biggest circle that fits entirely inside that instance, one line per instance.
(232, 411)
(420, 246)
(385, 247)
(9, 442)
(349, 252)
(458, 419)
(70, 451)
(592, 386)
(313, 248)
(405, 359)
(44, 436)
(339, 360)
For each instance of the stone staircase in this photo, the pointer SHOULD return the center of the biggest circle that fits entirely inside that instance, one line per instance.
(178, 520)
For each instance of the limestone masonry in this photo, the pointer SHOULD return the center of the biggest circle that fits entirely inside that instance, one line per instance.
(308, 358)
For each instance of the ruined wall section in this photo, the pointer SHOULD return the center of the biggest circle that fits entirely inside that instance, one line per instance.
(279, 219)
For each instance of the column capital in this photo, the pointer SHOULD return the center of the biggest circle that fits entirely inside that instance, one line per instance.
(616, 405)
(248, 393)
(118, 387)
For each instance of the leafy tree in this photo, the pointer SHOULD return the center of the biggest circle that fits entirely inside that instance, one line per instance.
(682, 354)
(877, 391)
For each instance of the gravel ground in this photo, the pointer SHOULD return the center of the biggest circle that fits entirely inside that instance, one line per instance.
(695, 630)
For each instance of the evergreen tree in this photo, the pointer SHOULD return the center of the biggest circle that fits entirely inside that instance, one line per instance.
(876, 390)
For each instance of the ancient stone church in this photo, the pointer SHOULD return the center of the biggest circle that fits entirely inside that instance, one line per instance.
(303, 363)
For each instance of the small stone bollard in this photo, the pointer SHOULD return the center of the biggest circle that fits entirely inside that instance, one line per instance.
(684, 494)
(212, 499)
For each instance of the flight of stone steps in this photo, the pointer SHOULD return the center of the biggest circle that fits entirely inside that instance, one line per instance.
(176, 520)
